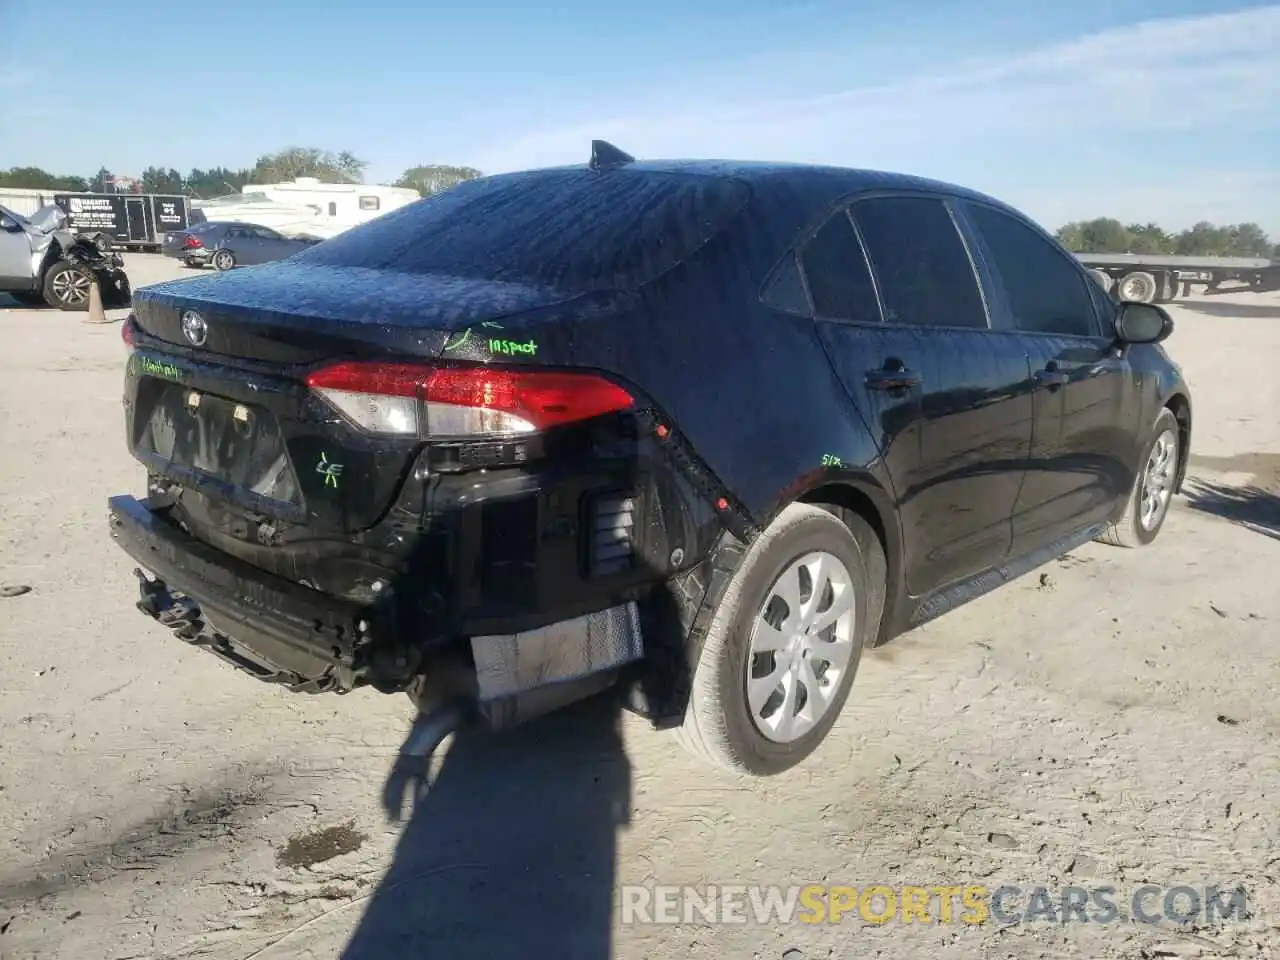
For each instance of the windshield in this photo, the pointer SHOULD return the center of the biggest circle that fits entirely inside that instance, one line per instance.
(19, 220)
(573, 230)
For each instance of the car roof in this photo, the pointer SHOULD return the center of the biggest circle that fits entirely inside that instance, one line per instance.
(828, 178)
(814, 186)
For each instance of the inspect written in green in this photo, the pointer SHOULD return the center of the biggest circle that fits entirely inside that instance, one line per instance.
(508, 347)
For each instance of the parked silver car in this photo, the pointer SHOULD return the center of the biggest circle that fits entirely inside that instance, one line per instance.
(231, 243)
(41, 262)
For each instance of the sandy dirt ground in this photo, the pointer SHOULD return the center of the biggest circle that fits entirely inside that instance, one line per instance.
(1108, 720)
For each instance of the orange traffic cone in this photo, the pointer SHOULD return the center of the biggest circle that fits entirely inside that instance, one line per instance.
(96, 313)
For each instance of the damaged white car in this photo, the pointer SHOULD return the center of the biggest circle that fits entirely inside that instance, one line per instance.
(41, 262)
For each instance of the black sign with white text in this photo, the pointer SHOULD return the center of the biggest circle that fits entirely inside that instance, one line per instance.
(125, 217)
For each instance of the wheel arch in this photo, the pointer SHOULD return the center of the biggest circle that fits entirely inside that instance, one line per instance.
(866, 498)
(53, 254)
(1179, 404)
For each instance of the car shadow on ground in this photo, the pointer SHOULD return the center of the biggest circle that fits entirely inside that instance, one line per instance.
(1237, 311)
(509, 849)
(1250, 506)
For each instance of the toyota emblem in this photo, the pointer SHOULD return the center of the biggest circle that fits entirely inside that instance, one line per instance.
(194, 328)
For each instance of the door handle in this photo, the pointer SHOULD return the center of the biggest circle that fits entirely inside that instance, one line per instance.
(1051, 377)
(888, 378)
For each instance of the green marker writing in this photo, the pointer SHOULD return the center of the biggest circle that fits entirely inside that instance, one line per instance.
(509, 347)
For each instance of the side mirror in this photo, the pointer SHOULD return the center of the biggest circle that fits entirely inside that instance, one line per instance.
(1142, 323)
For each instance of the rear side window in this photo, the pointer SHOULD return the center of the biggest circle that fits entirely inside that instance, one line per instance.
(573, 230)
(785, 289)
(920, 263)
(1046, 293)
(836, 269)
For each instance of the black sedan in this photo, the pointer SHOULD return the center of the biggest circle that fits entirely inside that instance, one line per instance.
(700, 430)
(228, 243)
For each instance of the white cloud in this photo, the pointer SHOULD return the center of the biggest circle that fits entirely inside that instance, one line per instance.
(1102, 93)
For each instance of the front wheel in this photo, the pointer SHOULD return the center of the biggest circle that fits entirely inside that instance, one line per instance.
(785, 642)
(1152, 492)
(66, 286)
(224, 260)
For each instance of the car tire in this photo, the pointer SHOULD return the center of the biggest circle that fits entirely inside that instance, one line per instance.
(720, 724)
(66, 286)
(1138, 286)
(224, 260)
(1149, 500)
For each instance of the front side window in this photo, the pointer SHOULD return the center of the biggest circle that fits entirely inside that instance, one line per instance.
(1046, 292)
(920, 262)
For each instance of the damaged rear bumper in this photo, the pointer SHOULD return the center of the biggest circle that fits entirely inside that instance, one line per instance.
(309, 641)
(278, 631)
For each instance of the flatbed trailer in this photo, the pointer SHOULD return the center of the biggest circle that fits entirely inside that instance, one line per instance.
(1156, 278)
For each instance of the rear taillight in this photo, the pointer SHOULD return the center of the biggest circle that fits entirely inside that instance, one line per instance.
(418, 400)
(191, 243)
(128, 331)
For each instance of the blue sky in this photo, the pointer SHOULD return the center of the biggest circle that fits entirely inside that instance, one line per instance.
(1146, 109)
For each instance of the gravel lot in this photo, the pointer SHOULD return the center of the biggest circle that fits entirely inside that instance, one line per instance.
(1110, 720)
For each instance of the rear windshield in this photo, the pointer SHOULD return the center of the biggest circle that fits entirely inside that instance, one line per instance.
(566, 229)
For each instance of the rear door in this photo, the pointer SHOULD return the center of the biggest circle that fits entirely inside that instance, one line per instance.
(947, 397)
(1086, 405)
(245, 244)
(273, 246)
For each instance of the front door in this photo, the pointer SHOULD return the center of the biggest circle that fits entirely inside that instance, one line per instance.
(948, 399)
(1085, 408)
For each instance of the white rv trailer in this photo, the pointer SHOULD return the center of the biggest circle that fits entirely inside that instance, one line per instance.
(337, 205)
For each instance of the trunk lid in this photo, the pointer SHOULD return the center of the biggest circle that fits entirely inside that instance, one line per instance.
(294, 313)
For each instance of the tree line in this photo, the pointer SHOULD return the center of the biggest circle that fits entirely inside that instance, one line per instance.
(1107, 235)
(1100, 235)
(287, 164)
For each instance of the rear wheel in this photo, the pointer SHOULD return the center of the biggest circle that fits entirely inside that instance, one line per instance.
(1138, 286)
(1152, 492)
(224, 260)
(66, 286)
(785, 643)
